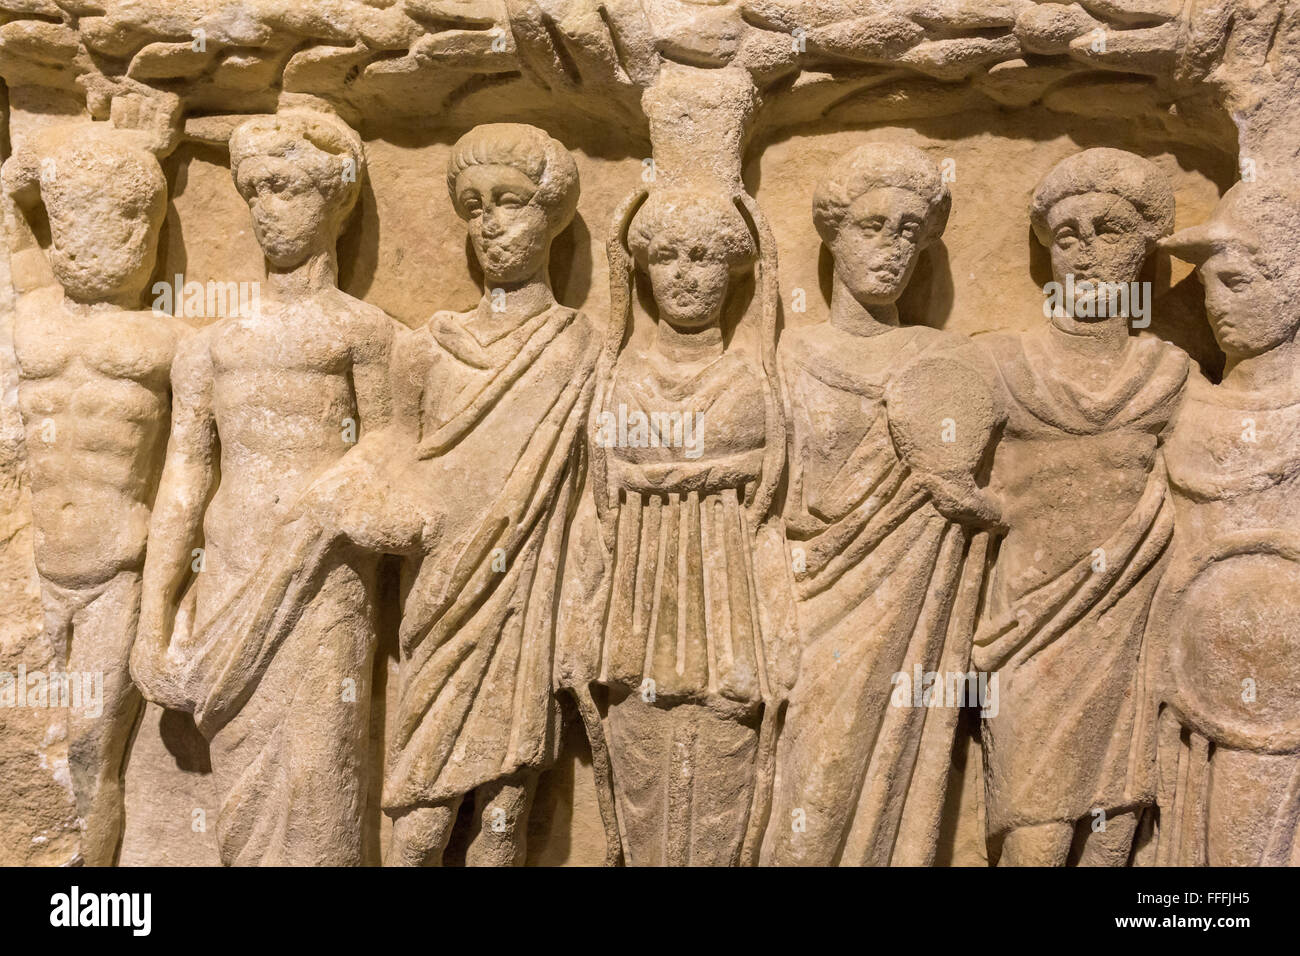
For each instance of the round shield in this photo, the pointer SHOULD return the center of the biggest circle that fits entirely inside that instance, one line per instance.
(1232, 622)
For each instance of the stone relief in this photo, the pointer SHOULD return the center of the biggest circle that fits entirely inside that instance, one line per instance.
(888, 526)
(1086, 403)
(1227, 746)
(92, 390)
(525, 523)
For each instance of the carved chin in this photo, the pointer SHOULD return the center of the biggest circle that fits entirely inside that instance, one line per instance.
(877, 288)
(92, 282)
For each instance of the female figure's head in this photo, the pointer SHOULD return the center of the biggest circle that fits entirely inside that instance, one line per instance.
(692, 244)
(1100, 213)
(1250, 275)
(299, 171)
(517, 189)
(877, 208)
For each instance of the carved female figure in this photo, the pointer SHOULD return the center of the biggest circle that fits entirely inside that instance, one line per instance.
(1223, 628)
(687, 450)
(888, 427)
(1087, 406)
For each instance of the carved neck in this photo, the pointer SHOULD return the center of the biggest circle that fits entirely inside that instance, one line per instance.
(124, 302)
(1102, 339)
(1271, 371)
(510, 304)
(688, 346)
(315, 274)
(850, 315)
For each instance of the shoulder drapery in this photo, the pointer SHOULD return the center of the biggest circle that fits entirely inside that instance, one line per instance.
(888, 586)
(477, 632)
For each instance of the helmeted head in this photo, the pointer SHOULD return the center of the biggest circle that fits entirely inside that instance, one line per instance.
(105, 197)
(1100, 213)
(299, 171)
(517, 189)
(691, 243)
(877, 208)
(1244, 257)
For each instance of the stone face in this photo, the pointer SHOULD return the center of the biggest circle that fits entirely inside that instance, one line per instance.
(794, 435)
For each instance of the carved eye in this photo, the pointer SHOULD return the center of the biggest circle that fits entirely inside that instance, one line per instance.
(472, 205)
(872, 224)
(1235, 281)
(510, 201)
(1066, 237)
(662, 254)
(698, 254)
(910, 230)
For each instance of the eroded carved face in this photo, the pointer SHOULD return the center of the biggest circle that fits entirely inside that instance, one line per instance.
(1245, 309)
(689, 281)
(103, 239)
(876, 245)
(292, 220)
(510, 233)
(1097, 237)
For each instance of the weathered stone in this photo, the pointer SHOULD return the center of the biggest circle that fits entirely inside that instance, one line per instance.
(845, 474)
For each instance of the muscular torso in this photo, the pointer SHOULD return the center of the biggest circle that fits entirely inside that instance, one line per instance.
(94, 396)
(282, 398)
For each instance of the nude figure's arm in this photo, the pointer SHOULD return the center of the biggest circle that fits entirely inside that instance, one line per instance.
(372, 371)
(175, 529)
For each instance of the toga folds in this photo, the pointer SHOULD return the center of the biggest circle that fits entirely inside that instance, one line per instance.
(472, 486)
(504, 438)
(1091, 523)
(888, 568)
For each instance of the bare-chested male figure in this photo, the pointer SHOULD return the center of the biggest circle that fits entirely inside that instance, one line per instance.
(280, 396)
(94, 400)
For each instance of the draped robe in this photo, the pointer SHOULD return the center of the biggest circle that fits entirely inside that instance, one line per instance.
(1234, 468)
(1074, 580)
(887, 585)
(478, 508)
(681, 608)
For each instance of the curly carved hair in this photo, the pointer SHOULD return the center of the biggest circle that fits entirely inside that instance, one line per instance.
(328, 149)
(1105, 170)
(543, 159)
(878, 165)
(692, 217)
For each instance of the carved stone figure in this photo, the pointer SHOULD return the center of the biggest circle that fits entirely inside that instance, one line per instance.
(1090, 520)
(682, 570)
(1225, 617)
(889, 429)
(502, 410)
(93, 369)
(280, 394)
(679, 613)
(472, 484)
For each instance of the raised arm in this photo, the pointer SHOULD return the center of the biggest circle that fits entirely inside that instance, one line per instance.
(176, 526)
